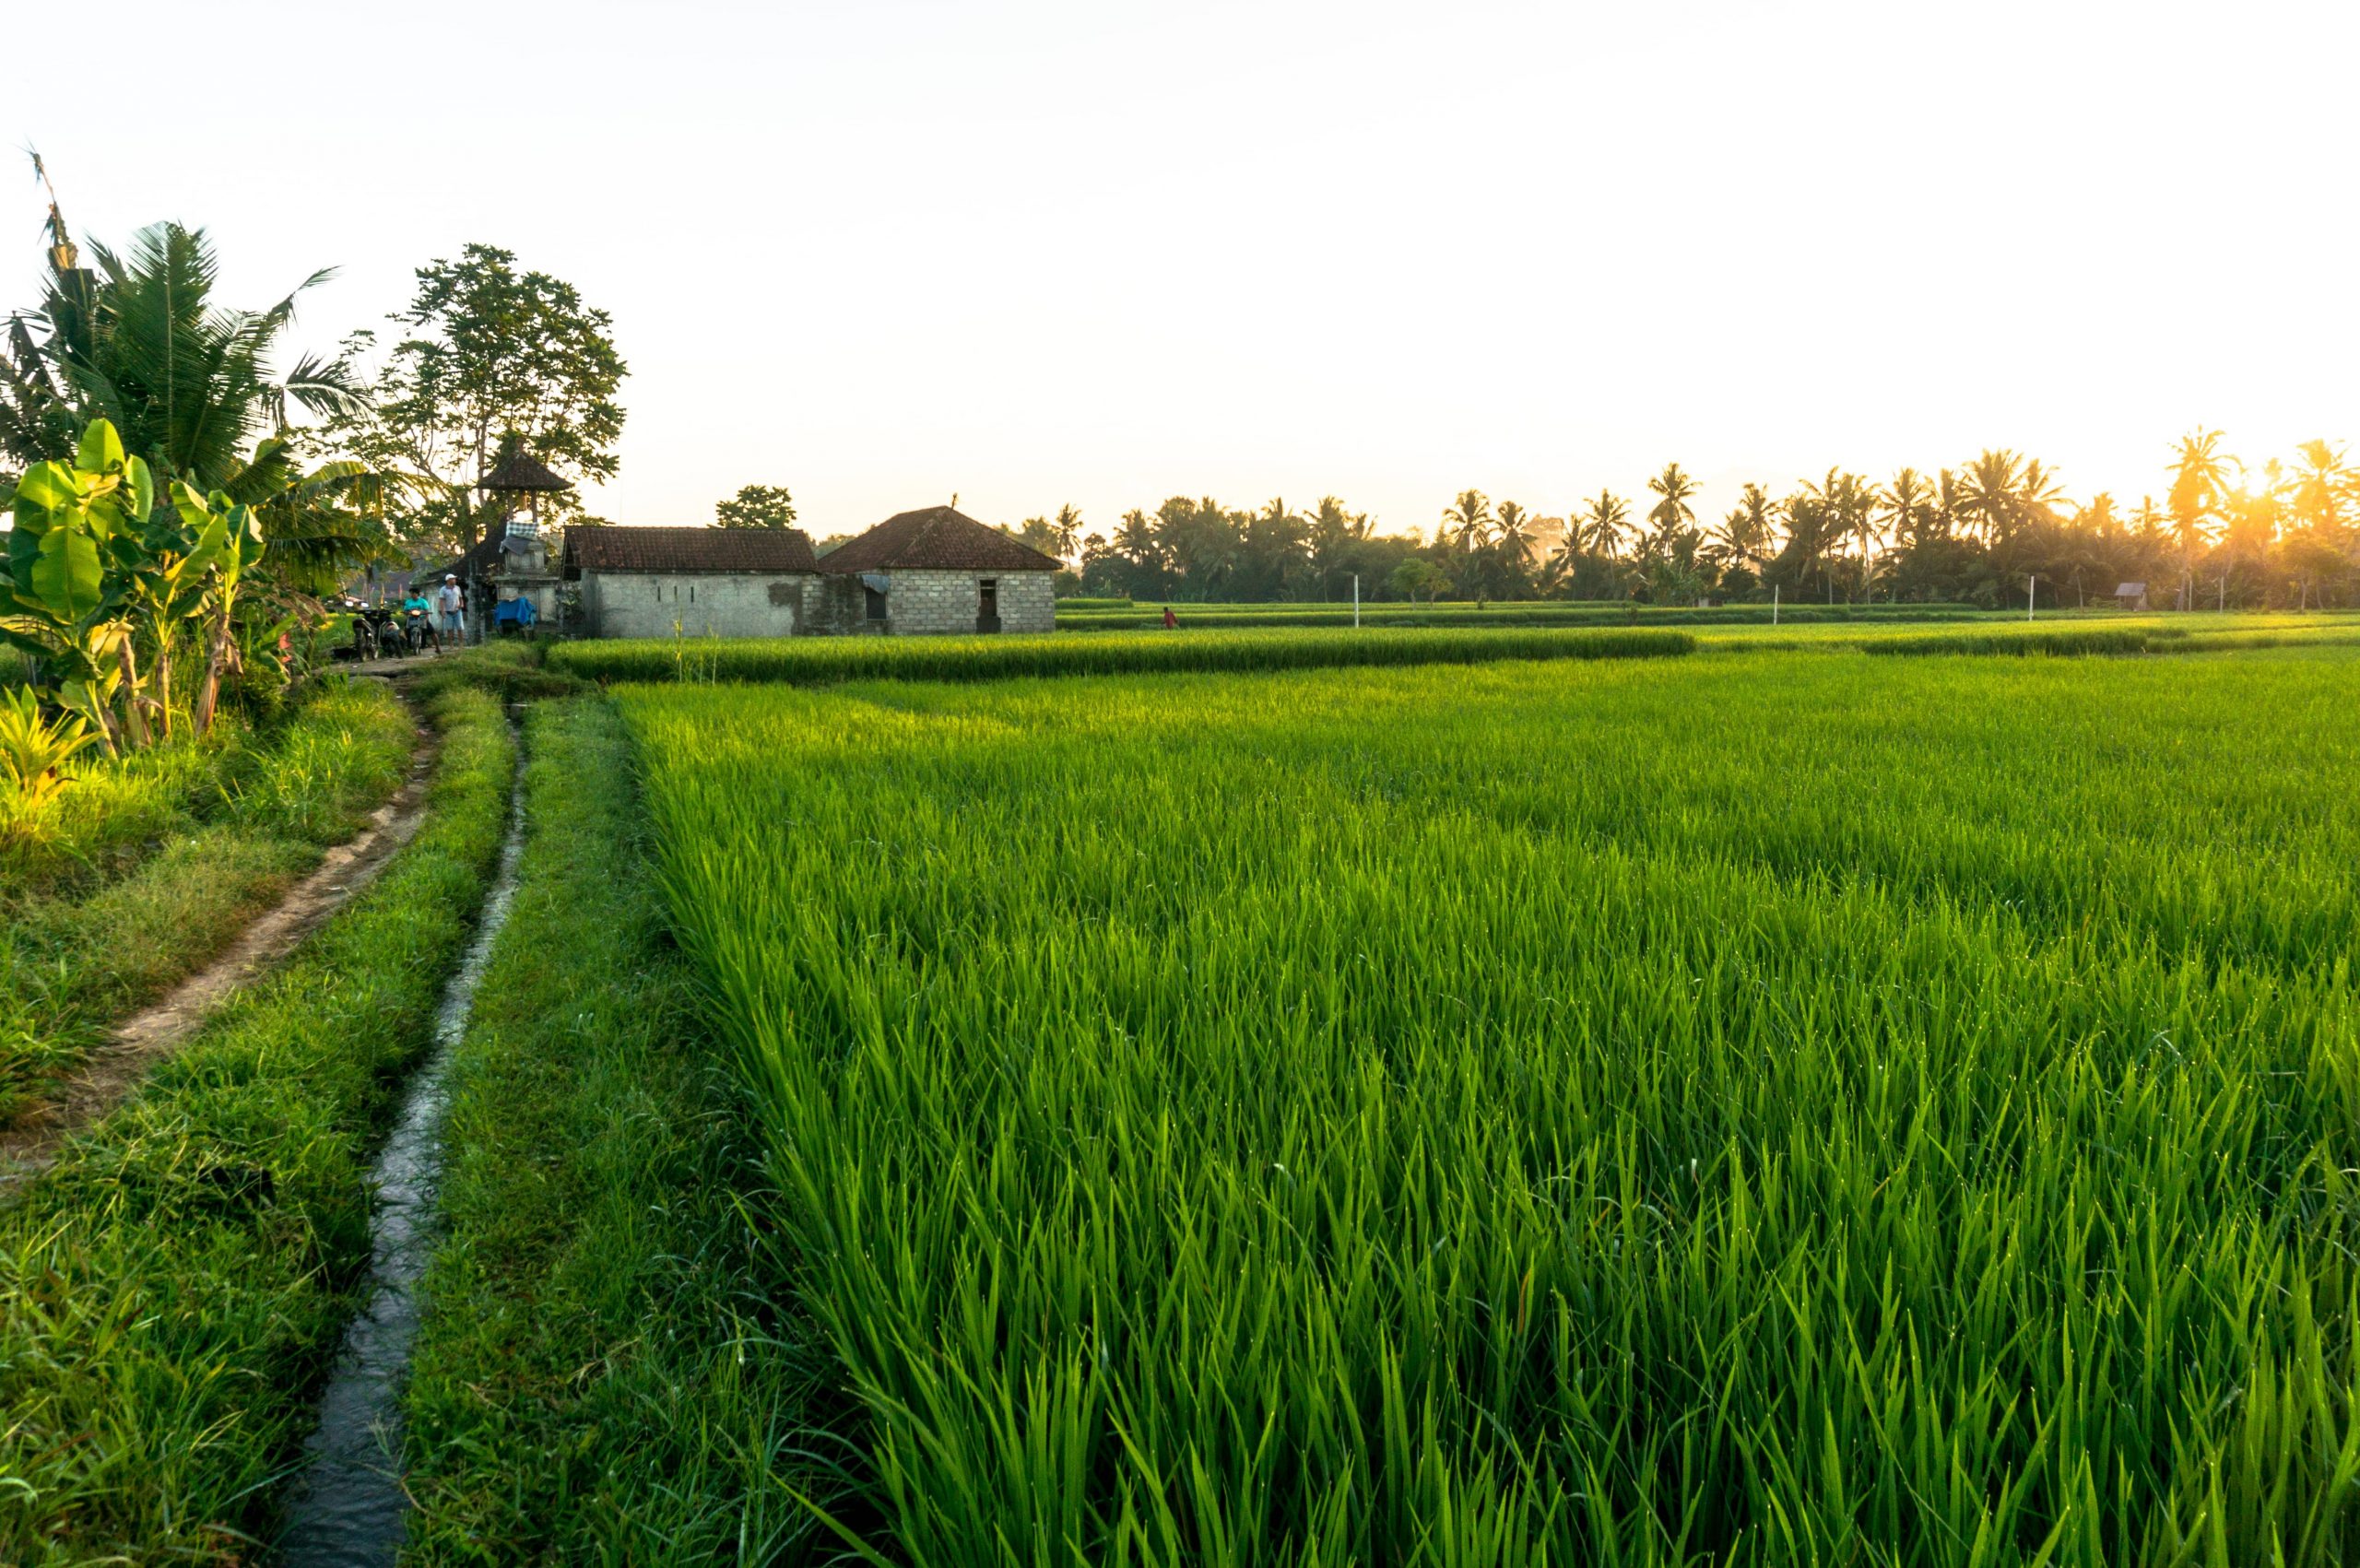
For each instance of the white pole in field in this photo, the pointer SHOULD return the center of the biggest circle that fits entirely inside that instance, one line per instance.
(2028, 582)
(1356, 601)
(1774, 604)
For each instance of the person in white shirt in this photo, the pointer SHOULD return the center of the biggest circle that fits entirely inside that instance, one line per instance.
(447, 620)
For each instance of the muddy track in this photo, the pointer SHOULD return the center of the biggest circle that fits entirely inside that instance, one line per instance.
(116, 1068)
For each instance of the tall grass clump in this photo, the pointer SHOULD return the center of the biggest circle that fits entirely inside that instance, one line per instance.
(151, 864)
(825, 660)
(1761, 1112)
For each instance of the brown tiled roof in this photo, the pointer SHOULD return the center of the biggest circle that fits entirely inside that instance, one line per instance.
(609, 548)
(521, 471)
(935, 539)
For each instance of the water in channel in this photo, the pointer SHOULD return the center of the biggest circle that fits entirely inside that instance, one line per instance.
(346, 1508)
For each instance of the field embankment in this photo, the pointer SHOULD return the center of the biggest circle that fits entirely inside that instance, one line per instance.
(142, 870)
(598, 1377)
(1101, 615)
(170, 1289)
(820, 661)
(1757, 1111)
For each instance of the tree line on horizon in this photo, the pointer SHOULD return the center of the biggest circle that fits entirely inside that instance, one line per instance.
(2279, 534)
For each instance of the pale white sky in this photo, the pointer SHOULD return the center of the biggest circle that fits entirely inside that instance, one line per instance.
(1043, 252)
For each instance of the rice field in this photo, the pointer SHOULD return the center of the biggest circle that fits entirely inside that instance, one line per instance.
(1750, 1110)
(817, 660)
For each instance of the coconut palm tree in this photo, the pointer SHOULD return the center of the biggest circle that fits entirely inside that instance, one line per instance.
(1671, 511)
(2199, 482)
(1744, 536)
(1988, 498)
(1466, 522)
(2321, 484)
(139, 341)
(190, 385)
(1906, 503)
(1512, 533)
(1066, 528)
(1603, 521)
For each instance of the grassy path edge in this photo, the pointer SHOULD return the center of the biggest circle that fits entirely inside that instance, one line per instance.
(596, 1377)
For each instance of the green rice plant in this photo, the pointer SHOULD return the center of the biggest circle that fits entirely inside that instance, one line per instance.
(2059, 640)
(1760, 1110)
(825, 660)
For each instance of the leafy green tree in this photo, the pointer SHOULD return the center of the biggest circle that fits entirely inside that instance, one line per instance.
(1417, 577)
(493, 353)
(1066, 531)
(755, 506)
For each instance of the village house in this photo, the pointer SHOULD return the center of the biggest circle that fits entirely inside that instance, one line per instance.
(931, 570)
(708, 581)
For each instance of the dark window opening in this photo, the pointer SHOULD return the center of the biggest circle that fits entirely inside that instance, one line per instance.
(876, 604)
(987, 605)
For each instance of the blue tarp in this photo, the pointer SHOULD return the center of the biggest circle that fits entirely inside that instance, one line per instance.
(513, 612)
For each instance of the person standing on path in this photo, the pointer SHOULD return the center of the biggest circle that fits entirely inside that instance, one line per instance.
(448, 622)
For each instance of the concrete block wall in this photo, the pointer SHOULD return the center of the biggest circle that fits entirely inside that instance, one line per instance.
(718, 604)
(1028, 601)
(929, 602)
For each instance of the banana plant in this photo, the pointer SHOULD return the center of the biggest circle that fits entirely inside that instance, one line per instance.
(166, 571)
(228, 536)
(62, 605)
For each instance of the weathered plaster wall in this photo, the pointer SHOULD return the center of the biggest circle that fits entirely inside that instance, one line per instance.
(718, 604)
(834, 606)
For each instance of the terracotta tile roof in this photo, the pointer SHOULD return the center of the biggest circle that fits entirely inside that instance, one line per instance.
(935, 539)
(609, 548)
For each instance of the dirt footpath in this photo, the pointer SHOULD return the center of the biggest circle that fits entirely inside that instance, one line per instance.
(115, 1068)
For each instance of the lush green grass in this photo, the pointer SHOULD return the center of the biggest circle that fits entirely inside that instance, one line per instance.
(513, 671)
(598, 1379)
(1754, 1111)
(170, 1291)
(159, 861)
(825, 660)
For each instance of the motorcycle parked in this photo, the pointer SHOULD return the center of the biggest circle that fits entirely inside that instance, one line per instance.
(377, 633)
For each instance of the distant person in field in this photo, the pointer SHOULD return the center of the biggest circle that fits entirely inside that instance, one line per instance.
(1171, 621)
(449, 606)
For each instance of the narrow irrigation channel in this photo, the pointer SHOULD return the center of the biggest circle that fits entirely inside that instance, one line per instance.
(347, 1506)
